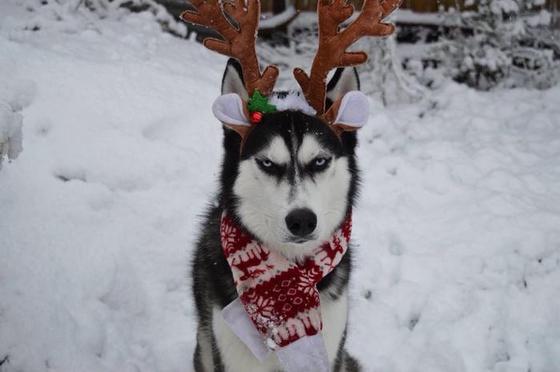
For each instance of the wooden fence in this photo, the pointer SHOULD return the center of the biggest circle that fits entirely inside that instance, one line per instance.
(421, 6)
(415, 5)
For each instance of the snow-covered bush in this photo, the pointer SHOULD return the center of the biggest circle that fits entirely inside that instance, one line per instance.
(381, 77)
(74, 15)
(296, 48)
(501, 43)
(477, 61)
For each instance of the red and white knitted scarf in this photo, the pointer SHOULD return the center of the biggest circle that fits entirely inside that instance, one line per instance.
(280, 296)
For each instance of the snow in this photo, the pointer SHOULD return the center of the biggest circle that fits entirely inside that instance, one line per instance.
(457, 241)
(277, 20)
(458, 224)
(401, 17)
(407, 16)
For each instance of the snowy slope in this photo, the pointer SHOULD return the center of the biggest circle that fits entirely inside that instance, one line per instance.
(458, 257)
(459, 227)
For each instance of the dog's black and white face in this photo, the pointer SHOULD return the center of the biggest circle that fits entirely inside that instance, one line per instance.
(294, 180)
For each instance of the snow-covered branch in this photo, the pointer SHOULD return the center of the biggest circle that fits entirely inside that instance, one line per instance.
(10, 132)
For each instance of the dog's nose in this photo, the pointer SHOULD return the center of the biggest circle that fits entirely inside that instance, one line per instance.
(301, 222)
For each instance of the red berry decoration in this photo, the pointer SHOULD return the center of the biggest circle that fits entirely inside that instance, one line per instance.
(256, 117)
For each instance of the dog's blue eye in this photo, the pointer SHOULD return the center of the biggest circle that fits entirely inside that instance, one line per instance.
(320, 162)
(271, 168)
(266, 164)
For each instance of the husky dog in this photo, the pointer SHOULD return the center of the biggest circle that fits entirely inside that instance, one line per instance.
(291, 186)
(288, 181)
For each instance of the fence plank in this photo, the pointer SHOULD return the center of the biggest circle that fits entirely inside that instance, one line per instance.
(422, 6)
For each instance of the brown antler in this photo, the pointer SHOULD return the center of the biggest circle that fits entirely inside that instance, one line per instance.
(239, 42)
(333, 43)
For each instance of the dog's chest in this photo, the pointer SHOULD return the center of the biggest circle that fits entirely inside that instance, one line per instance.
(236, 357)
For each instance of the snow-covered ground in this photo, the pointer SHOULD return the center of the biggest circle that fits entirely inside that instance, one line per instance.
(457, 230)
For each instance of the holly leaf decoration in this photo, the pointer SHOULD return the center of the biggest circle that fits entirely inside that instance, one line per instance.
(259, 103)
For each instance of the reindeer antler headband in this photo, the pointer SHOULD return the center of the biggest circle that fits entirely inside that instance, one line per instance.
(239, 41)
(333, 42)
(237, 22)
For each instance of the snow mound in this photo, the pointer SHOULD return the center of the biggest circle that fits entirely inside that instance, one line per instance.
(458, 257)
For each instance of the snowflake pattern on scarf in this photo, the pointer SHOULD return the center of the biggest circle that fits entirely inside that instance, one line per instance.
(280, 296)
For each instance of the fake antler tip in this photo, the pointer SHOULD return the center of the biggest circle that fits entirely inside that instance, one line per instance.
(333, 42)
(237, 23)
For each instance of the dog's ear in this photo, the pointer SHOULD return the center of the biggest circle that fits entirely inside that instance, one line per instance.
(347, 107)
(232, 81)
(231, 108)
(349, 113)
(343, 81)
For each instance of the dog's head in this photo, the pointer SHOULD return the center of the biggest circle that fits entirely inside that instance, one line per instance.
(289, 172)
(291, 180)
